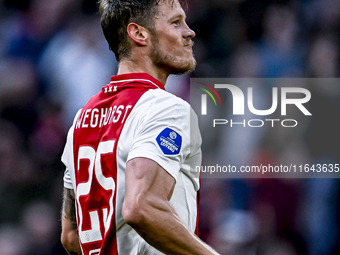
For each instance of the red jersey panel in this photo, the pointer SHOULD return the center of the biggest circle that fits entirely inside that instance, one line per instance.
(96, 133)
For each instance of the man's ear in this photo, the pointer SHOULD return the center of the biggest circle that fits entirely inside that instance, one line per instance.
(137, 33)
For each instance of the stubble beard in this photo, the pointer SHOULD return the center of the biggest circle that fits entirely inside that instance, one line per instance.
(172, 64)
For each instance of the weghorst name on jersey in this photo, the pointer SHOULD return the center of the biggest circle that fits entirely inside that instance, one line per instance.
(98, 117)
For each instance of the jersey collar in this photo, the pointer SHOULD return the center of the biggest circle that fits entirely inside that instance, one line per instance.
(138, 77)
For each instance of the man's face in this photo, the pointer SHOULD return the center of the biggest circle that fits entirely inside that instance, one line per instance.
(171, 40)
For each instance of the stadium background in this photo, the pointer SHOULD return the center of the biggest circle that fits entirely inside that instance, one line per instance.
(53, 57)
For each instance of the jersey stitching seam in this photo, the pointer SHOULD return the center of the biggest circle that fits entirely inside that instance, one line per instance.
(136, 80)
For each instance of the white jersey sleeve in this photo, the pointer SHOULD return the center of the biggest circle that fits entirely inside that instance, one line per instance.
(163, 130)
(67, 159)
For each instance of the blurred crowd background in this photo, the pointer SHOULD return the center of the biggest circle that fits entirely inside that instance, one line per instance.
(53, 58)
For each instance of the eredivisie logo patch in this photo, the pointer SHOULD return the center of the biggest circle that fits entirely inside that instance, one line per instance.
(169, 141)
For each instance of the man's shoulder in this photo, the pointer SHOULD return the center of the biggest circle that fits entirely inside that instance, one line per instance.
(162, 96)
(158, 107)
(162, 103)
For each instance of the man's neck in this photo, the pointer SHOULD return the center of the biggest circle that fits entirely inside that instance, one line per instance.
(128, 66)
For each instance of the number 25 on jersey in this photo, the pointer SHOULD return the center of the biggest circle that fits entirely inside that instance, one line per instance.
(83, 191)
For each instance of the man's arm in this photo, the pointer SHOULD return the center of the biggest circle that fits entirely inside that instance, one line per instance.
(69, 233)
(146, 207)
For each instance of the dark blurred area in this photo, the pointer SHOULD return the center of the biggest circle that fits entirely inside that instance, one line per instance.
(53, 58)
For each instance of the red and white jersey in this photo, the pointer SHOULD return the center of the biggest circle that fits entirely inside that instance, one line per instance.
(131, 117)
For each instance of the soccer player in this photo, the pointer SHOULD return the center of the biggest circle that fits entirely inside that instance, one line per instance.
(129, 184)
